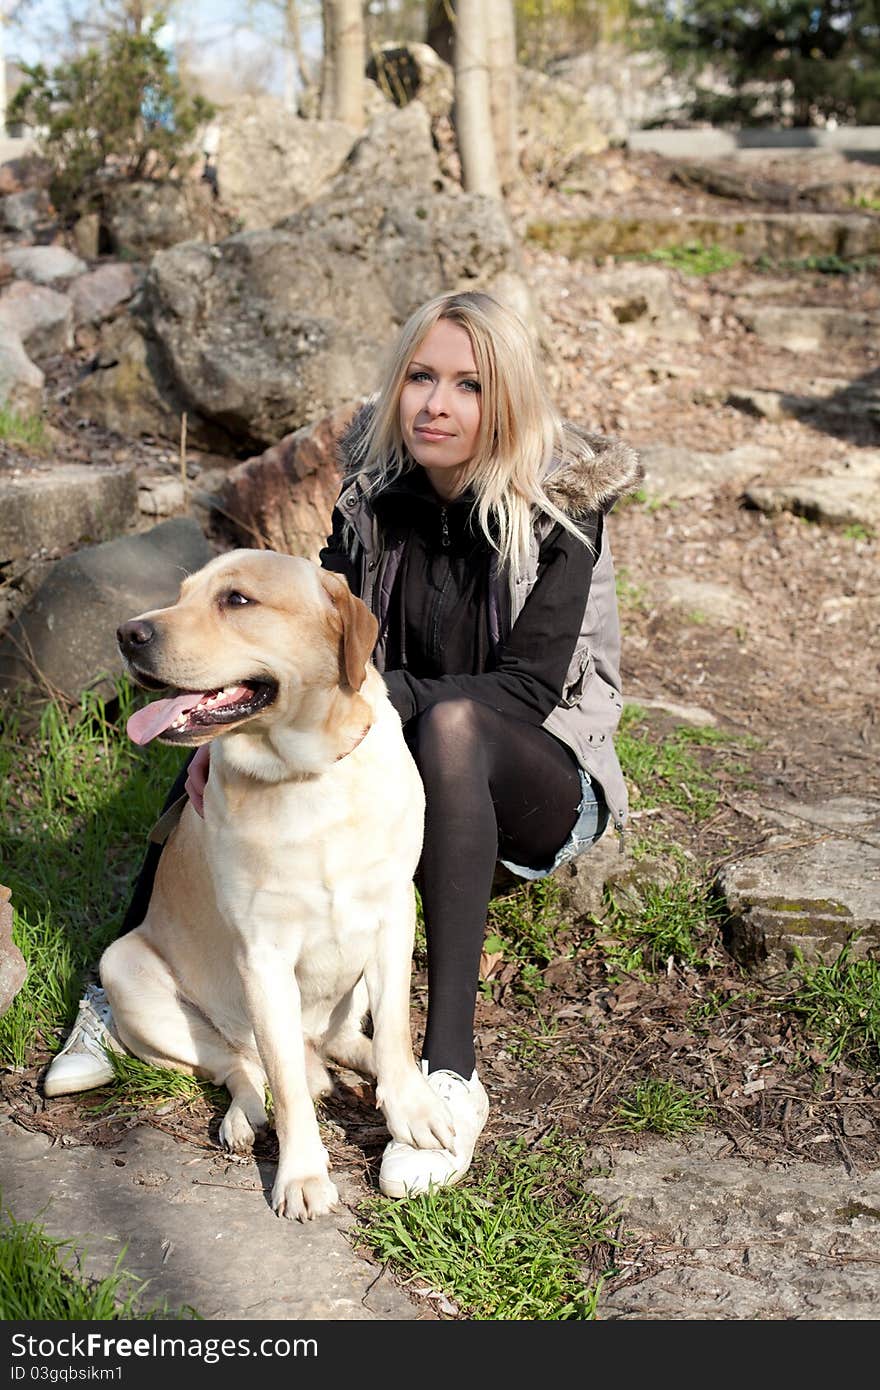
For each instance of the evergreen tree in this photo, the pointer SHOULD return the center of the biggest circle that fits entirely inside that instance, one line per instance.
(117, 112)
(812, 58)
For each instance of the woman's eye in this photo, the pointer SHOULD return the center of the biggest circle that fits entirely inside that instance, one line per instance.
(471, 385)
(419, 376)
(234, 599)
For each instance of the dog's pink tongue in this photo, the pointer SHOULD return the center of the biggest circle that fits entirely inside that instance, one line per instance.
(147, 723)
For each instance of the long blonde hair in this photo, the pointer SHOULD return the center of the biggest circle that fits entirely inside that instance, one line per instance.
(519, 433)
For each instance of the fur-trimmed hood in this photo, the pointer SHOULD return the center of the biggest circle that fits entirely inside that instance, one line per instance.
(590, 474)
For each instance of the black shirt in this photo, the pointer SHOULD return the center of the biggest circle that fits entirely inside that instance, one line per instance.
(437, 638)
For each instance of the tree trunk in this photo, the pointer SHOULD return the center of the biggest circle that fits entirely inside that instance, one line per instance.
(293, 32)
(328, 60)
(342, 72)
(501, 54)
(473, 117)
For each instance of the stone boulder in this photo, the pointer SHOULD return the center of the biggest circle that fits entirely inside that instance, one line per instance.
(639, 301)
(282, 500)
(129, 388)
(809, 329)
(57, 506)
(21, 383)
(673, 472)
(414, 72)
(701, 601)
(813, 894)
(41, 318)
(271, 162)
(140, 218)
(257, 343)
(98, 294)
(558, 134)
(844, 497)
(45, 265)
(64, 639)
(25, 212)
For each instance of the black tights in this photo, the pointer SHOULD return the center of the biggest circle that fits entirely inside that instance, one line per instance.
(494, 788)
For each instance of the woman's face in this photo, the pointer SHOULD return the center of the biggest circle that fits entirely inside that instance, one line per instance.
(441, 407)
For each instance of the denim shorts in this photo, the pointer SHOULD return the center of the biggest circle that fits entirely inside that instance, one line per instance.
(588, 828)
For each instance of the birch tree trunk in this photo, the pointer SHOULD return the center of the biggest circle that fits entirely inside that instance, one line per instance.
(473, 115)
(342, 71)
(501, 55)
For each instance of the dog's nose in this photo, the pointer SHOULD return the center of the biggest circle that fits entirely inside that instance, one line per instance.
(135, 633)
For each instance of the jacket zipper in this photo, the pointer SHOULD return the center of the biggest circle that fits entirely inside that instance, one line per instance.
(444, 529)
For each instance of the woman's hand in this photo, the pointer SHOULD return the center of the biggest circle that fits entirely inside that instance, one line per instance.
(197, 778)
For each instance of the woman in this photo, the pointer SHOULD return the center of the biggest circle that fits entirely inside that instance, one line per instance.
(473, 522)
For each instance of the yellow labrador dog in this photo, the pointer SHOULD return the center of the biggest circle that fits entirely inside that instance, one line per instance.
(283, 916)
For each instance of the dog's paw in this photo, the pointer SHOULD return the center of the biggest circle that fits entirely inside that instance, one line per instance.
(302, 1199)
(415, 1115)
(237, 1132)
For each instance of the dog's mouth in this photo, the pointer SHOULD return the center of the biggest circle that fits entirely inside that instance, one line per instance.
(190, 713)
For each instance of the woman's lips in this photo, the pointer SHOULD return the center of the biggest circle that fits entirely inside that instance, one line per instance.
(431, 434)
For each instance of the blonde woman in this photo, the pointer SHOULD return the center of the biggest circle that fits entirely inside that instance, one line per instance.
(473, 522)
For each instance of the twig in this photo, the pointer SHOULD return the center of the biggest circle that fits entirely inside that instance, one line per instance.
(183, 477)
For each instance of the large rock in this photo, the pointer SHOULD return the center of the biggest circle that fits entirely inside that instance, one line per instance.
(413, 72)
(704, 602)
(675, 472)
(144, 217)
(98, 294)
(282, 500)
(814, 895)
(25, 212)
(782, 235)
(45, 265)
(65, 637)
(41, 318)
(835, 398)
(256, 342)
(845, 496)
(271, 162)
(557, 131)
(129, 388)
(639, 301)
(809, 329)
(59, 506)
(21, 383)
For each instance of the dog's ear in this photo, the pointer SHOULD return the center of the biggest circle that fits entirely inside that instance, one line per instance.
(359, 628)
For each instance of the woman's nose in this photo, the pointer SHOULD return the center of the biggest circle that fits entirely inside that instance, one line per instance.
(436, 402)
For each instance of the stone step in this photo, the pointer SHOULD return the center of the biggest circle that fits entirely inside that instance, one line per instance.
(781, 235)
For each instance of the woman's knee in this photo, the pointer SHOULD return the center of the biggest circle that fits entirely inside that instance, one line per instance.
(447, 732)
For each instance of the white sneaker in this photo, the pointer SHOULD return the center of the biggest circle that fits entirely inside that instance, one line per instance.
(82, 1062)
(407, 1171)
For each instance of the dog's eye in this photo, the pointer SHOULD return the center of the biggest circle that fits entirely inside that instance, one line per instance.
(234, 599)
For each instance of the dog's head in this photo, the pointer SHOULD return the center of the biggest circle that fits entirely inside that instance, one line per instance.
(250, 637)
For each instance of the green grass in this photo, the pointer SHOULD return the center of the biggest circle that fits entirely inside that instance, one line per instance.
(828, 264)
(40, 1280)
(667, 773)
(693, 258)
(663, 1107)
(29, 430)
(646, 929)
(864, 201)
(76, 803)
(524, 927)
(839, 1005)
(511, 1245)
(146, 1085)
(857, 532)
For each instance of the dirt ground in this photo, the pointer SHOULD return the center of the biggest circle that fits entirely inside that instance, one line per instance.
(800, 676)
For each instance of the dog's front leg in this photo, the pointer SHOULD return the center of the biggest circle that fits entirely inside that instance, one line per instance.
(413, 1113)
(302, 1188)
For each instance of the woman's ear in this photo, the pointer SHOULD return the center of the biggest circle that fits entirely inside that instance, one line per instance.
(359, 628)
